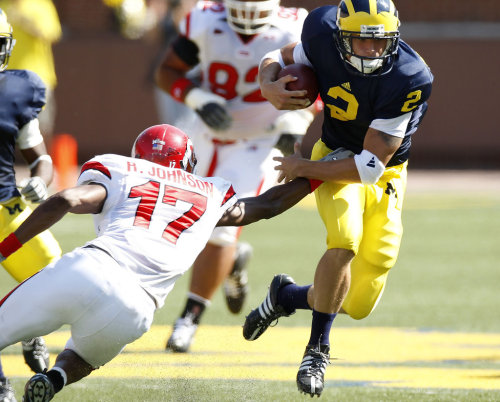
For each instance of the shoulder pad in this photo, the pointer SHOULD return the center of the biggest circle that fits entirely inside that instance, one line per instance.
(320, 20)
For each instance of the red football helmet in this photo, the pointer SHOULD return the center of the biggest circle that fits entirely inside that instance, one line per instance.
(166, 145)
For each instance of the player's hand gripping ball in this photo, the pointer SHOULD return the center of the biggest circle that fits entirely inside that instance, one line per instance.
(306, 79)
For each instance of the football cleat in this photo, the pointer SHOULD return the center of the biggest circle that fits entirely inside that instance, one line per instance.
(311, 374)
(38, 389)
(269, 311)
(236, 284)
(6, 391)
(182, 335)
(36, 354)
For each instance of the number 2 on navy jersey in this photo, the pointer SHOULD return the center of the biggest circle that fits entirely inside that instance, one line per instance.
(149, 193)
(347, 108)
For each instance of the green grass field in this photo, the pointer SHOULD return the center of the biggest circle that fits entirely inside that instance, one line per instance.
(435, 335)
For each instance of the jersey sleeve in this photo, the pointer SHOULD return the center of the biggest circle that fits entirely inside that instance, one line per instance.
(30, 97)
(315, 23)
(412, 93)
(229, 198)
(227, 194)
(103, 170)
(94, 171)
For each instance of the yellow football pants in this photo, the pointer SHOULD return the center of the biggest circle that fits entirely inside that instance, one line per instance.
(367, 220)
(36, 253)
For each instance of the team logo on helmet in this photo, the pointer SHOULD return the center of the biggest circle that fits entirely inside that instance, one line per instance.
(158, 144)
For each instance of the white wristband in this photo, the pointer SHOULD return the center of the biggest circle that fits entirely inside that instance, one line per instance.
(196, 98)
(369, 167)
(45, 157)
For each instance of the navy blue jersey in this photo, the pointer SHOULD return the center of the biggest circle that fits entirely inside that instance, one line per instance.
(353, 101)
(22, 96)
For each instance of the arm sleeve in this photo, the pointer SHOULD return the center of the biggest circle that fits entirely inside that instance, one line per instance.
(187, 50)
(29, 135)
(395, 127)
(98, 171)
(299, 55)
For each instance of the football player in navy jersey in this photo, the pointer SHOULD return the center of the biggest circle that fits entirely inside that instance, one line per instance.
(375, 89)
(22, 96)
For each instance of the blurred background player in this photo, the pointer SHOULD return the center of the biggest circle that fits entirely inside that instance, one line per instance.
(168, 109)
(137, 18)
(236, 130)
(36, 28)
(157, 21)
(109, 289)
(375, 89)
(22, 95)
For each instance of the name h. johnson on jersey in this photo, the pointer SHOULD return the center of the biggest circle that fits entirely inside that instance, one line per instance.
(175, 175)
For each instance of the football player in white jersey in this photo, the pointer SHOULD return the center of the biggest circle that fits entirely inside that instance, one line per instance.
(22, 97)
(237, 129)
(152, 217)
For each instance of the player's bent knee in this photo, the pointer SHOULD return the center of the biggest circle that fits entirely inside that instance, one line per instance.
(366, 289)
(359, 305)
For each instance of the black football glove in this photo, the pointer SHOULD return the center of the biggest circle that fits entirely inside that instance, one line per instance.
(215, 116)
(286, 143)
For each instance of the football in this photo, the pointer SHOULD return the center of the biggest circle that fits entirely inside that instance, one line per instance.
(306, 79)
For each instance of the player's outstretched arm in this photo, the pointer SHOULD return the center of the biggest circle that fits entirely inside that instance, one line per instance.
(85, 199)
(273, 202)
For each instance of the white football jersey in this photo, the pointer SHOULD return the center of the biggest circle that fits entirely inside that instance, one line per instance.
(155, 220)
(230, 66)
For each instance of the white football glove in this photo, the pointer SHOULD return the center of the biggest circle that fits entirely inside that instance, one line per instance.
(34, 189)
(292, 126)
(294, 122)
(210, 107)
